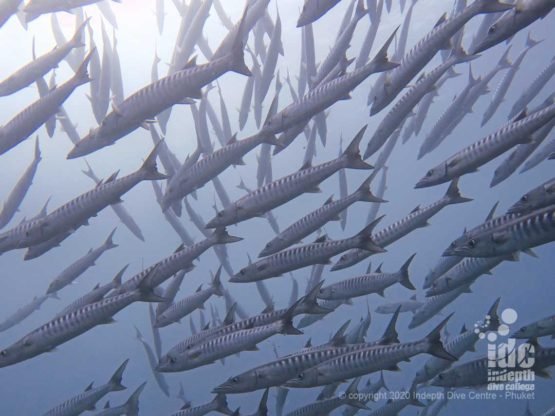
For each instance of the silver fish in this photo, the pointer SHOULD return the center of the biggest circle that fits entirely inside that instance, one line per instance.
(541, 328)
(129, 408)
(313, 10)
(537, 198)
(153, 362)
(218, 404)
(24, 312)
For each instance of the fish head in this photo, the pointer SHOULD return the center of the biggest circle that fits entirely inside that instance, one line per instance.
(170, 363)
(532, 200)
(327, 292)
(250, 273)
(273, 247)
(447, 379)
(227, 216)
(484, 245)
(276, 123)
(422, 375)
(344, 261)
(433, 177)
(308, 14)
(241, 383)
(88, 144)
(500, 30)
(308, 378)
(525, 332)
(23, 349)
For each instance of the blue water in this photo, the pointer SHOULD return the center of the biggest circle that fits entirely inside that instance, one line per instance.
(36, 385)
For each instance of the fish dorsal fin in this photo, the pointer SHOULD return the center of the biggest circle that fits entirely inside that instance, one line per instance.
(308, 343)
(179, 248)
(441, 20)
(416, 209)
(268, 309)
(521, 115)
(107, 405)
(190, 63)
(321, 239)
(232, 140)
(90, 386)
(112, 177)
(491, 212)
(329, 200)
(463, 329)
(306, 165)
(199, 288)
(379, 269)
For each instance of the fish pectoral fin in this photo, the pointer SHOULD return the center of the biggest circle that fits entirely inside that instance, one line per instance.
(109, 321)
(394, 367)
(195, 94)
(239, 162)
(314, 190)
(500, 237)
(252, 348)
(346, 97)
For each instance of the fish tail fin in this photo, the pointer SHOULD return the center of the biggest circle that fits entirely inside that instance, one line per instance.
(109, 243)
(221, 403)
(365, 193)
(286, 322)
(222, 237)
(237, 53)
(149, 166)
(532, 42)
(360, 11)
(381, 382)
(453, 193)
(504, 61)
(352, 152)
(353, 398)
(146, 288)
(381, 61)
(116, 281)
(366, 242)
(404, 274)
(217, 283)
(132, 404)
(494, 6)
(115, 380)
(82, 74)
(435, 346)
(494, 320)
(390, 335)
(460, 55)
(310, 303)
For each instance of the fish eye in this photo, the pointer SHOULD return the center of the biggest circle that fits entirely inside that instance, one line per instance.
(472, 243)
(301, 376)
(524, 198)
(173, 360)
(220, 214)
(492, 29)
(430, 173)
(242, 272)
(235, 379)
(27, 343)
(4, 353)
(453, 245)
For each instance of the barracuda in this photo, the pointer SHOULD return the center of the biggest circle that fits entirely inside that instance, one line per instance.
(418, 218)
(537, 198)
(427, 47)
(316, 219)
(543, 327)
(369, 360)
(282, 190)
(77, 212)
(319, 252)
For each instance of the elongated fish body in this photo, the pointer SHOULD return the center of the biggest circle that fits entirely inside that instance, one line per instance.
(31, 118)
(409, 100)
(501, 90)
(523, 14)
(541, 328)
(533, 89)
(35, 8)
(324, 95)
(282, 190)
(170, 292)
(40, 66)
(7, 9)
(316, 219)
(153, 362)
(368, 283)
(67, 125)
(540, 155)
(479, 153)
(537, 198)
(219, 404)
(313, 10)
(417, 218)
(129, 408)
(434, 304)
(521, 233)
(520, 154)
(94, 295)
(151, 100)
(447, 119)
(77, 268)
(66, 327)
(119, 209)
(367, 360)
(302, 256)
(20, 189)
(23, 312)
(482, 30)
(182, 259)
(194, 32)
(410, 305)
(222, 346)
(423, 52)
(77, 212)
(207, 168)
(464, 273)
(443, 265)
(87, 399)
(281, 370)
(172, 219)
(185, 306)
(38, 250)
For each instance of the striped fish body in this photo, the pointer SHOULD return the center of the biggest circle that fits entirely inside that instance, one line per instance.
(201, 410)
(464, 273)
(66, 327)
(537, 198)
(207, 168)
(360, 286)
(309, 223)
(435, 304)
(31, 118)
(472, 157)
(293, 259)
(320, 407)
(80, 403)
(443, 265)
(410, 305)
(533, 89)
(184, 307)
(426, 48)
(93, 296)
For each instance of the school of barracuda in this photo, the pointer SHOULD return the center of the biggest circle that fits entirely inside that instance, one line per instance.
(401, 84)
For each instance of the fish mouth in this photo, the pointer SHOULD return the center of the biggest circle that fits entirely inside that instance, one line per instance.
(422, 183)
(235, 279)
(222, 388)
